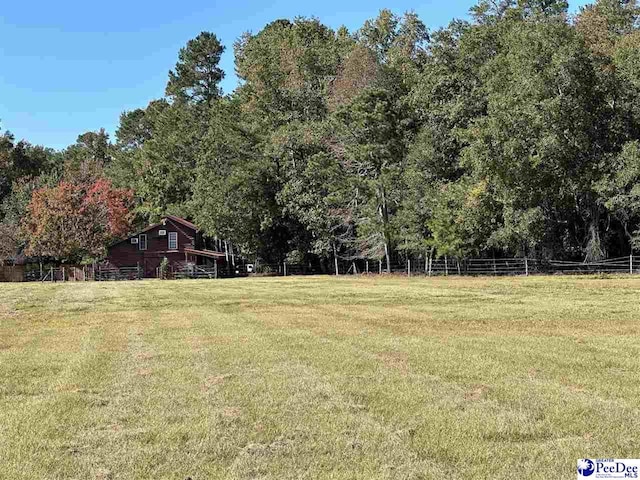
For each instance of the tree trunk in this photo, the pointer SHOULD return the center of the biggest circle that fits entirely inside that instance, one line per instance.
(384, 216)
(386, 255)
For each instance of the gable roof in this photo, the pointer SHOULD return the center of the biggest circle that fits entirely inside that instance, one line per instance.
(182, 221)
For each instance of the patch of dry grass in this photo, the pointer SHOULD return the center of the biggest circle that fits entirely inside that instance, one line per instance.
(318, 378)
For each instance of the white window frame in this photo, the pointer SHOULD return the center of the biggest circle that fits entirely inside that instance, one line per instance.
(142, 243)
(172, 236)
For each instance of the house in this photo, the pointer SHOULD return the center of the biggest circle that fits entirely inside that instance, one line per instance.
(173, 238)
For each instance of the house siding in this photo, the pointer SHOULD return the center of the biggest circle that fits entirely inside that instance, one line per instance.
(126, 254)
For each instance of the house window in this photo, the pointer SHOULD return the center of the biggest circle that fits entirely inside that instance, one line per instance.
(142, 242)
(173, 240)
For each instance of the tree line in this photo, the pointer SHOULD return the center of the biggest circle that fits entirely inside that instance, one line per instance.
(515, 132)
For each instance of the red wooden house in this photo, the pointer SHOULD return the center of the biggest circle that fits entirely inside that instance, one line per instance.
(173, 238)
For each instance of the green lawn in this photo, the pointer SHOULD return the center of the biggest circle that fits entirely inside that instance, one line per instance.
(318, 378)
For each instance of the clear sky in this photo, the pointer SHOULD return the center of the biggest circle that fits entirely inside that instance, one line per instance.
(69, 66)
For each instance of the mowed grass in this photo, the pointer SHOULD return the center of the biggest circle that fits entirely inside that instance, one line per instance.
(348, 378)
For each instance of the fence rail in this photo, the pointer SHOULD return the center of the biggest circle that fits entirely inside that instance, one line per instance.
(195, 272)
(81, 273)
(67, 273)
(466, 267)
(412, 267)
(110, 274)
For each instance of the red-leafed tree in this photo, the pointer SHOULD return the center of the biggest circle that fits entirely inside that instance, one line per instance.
(112, 204)
(71, 221)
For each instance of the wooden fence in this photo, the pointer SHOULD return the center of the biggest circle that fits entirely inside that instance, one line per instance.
(110, 273)
(195, 272)
(14, 273)
(81, 273)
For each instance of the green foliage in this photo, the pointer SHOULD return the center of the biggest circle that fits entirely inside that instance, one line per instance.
(21, 161)
(620, 191)
(164, 268)
(235, 186)
(513, 133)
(165, 164)
(462, 218)
(374, 130)
(197, 75)
(314, 188)
(87, 159)
(537, 143)
(23, 169)
(286, 70)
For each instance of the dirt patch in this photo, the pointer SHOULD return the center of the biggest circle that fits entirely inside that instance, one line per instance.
(219, 379)
(260, 449)
(395, 360)
(6, 311)
(144, 372)
(572, 386)
(231, 412)
(216, 380)
(103, 474)
(477, 392)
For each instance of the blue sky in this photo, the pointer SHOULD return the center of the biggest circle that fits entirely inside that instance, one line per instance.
(70, 66)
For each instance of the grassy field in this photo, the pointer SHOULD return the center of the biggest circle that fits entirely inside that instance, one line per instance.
(350, 378)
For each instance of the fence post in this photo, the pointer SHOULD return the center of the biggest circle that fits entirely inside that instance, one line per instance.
(526, 266)
(380, 267)
(430, 263)
(408, 267)
(631, 263)
(458, 262)
(52, 275)
(367, 267)
(446, 266)
(285, 269)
